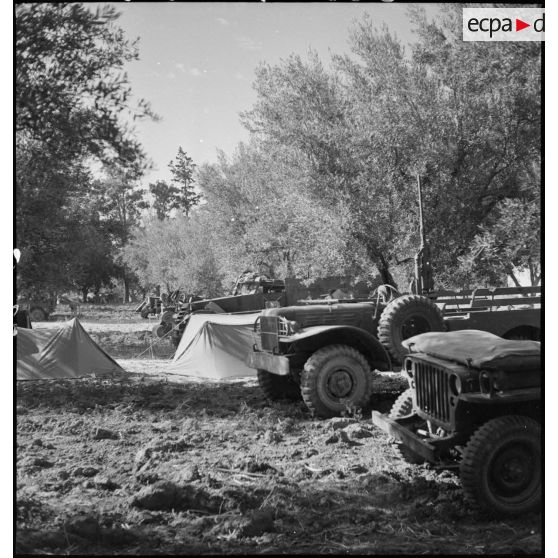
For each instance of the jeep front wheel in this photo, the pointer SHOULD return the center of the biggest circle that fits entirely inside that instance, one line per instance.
(277, 387)
(402, 407)
(335, 378)
(501, 467)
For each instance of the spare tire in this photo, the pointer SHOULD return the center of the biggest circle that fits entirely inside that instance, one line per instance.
(404, 317)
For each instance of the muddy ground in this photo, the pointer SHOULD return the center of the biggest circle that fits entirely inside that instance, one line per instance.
(144, 465)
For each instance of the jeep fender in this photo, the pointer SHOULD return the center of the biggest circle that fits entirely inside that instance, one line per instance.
(313, 338)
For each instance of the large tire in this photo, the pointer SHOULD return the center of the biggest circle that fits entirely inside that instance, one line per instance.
(335, 378)
(277, 387)
(402, 407)
(38, 314)
(404, 317)
(501, 467)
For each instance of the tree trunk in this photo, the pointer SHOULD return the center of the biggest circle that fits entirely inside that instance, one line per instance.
(126, 289)
(514, 278)
(377, 258)
(385, 273)
(84, 293)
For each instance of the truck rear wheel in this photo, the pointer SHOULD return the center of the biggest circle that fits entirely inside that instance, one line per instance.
(501, 468)
(405, 317)
(277, 387)
(335, 378)
(402, 407)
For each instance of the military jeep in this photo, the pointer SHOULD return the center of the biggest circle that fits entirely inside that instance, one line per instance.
(474, 403)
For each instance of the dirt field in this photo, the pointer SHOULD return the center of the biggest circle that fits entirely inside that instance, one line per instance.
(146, 466)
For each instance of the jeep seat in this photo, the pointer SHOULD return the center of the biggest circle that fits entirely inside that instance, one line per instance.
(478, 349)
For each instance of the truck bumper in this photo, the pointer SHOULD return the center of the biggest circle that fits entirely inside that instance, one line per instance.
(276, 364)
(408, 438)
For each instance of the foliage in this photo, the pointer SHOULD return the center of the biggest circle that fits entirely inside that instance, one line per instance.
(175, 254)
(165, 198)
(70, 88)
(510, 242)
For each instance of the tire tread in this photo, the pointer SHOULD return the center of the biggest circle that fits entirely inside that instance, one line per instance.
(311, 372)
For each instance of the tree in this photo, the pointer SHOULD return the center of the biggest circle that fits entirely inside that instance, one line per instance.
(166, 198)
(91, 264)
(465, 116)
(71, 99)
(182, 170)
(46, 218)
(265, 219)
(119, 202)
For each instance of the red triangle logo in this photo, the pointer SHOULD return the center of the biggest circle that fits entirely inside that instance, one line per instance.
(519, 25)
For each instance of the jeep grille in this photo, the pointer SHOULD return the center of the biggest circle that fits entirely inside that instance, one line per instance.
(432, 390)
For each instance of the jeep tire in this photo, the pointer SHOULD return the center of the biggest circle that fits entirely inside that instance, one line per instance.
(402, 407)
(405, 317)
(277, 387)
(501, 467)
(334, 379)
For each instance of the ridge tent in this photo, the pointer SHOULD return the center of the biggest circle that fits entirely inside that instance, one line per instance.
(67, 352)
(215, 346)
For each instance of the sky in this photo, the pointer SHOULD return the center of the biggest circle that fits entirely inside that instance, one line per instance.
(197, 63)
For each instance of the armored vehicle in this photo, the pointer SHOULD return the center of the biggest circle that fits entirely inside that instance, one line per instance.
(474, 402)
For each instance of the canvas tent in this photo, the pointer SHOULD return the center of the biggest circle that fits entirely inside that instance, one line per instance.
(67, 352)
(215, 346)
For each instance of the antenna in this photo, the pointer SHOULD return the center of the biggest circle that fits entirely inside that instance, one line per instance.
(421, 217)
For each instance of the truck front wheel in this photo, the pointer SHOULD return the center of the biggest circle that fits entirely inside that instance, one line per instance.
(501, 468)
(277, 387)
(335, 378)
